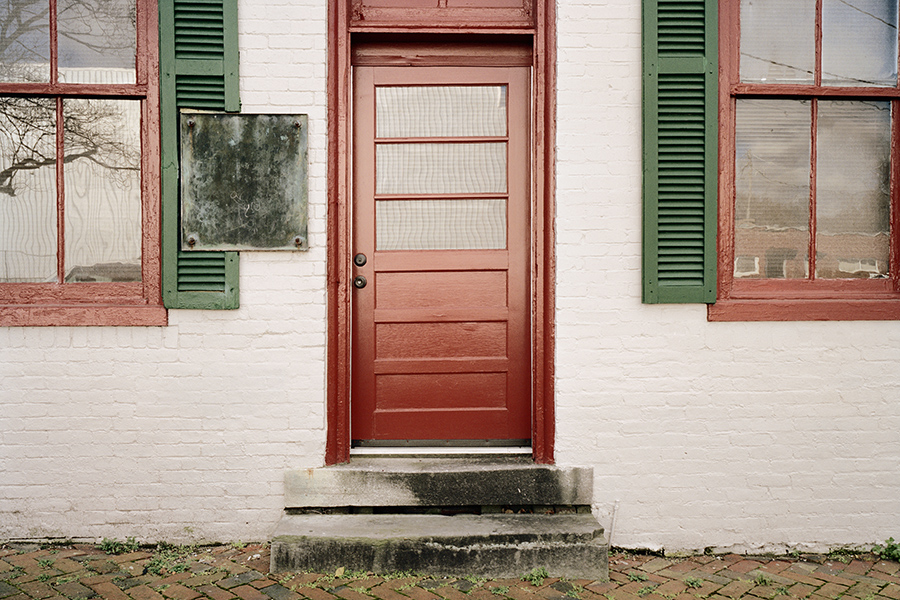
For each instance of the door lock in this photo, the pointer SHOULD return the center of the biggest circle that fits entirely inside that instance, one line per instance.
(359, 282)
(359, 260)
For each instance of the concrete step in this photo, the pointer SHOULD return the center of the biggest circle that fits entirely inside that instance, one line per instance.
(378, 482)
(497, 545)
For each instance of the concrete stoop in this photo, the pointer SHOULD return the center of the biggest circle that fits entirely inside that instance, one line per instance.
(460, 545)
(456, 517)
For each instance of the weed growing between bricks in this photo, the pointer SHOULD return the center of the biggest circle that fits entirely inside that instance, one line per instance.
(115, 570)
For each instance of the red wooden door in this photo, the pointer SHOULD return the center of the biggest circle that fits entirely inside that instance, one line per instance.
(441, 205)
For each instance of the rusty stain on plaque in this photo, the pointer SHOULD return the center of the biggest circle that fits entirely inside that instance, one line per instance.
(243, 182)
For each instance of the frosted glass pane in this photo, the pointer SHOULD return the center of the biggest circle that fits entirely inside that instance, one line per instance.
(440, 111)
(96, 41)
(853, 189)
(778, 41)
(440, 168)
(440, 224)
(772, 165)
(25, 40)
(103, 190)
(27, 194)
(859, 42)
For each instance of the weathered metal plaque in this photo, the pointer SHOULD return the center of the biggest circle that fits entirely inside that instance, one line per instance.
(244, 182)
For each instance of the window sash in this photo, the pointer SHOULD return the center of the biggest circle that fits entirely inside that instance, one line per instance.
(731, 90)
(102, 303)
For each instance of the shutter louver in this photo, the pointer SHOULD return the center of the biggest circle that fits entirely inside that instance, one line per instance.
(680, 151)
(204, 272)
(199, 92)
(198, 58)
(199, 28)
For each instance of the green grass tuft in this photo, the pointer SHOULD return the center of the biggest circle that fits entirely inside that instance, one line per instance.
(536, 576)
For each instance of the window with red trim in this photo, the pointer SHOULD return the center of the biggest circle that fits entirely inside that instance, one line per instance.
(808, 197)
(79, 163)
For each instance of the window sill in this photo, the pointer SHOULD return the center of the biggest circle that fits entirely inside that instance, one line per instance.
(82, 316)
(805, 310)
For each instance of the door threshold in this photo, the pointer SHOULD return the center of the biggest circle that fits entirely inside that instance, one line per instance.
(438, 450)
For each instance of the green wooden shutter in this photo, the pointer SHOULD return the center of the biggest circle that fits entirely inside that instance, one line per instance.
(199, 70)
(679, 150)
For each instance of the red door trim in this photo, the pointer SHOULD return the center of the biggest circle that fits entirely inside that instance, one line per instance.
(337, 441)
(337, 446)
(544, 211)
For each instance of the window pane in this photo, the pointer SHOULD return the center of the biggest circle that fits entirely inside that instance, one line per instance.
(778, 41)
(440, 111)
(27, 190)
(103, 190)
(25, 40)
(772, 142)
(853, 189)
(859, 42)
(440, 224)
(440, 168)
(96, 41)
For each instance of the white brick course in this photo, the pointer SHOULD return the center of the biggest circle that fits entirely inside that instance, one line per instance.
(731, 436)
(725, 435)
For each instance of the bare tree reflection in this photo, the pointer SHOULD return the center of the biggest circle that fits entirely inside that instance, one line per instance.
(96, 33)
(24, 40)
(91, 33)
(92, 130)
(95, 36)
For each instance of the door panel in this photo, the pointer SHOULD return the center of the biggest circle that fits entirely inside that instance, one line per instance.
(441, 342)
(454, 390)
(429, 289)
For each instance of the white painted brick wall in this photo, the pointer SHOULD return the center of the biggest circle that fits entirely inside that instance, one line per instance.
(738, 436)
(184, 432)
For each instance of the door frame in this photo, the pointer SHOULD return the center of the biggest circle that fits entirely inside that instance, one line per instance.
(543, 213)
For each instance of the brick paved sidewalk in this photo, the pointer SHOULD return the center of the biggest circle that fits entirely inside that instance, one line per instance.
(81, 572)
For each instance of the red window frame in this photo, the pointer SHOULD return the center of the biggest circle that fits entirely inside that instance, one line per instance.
(101, 303)
(809, 298)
